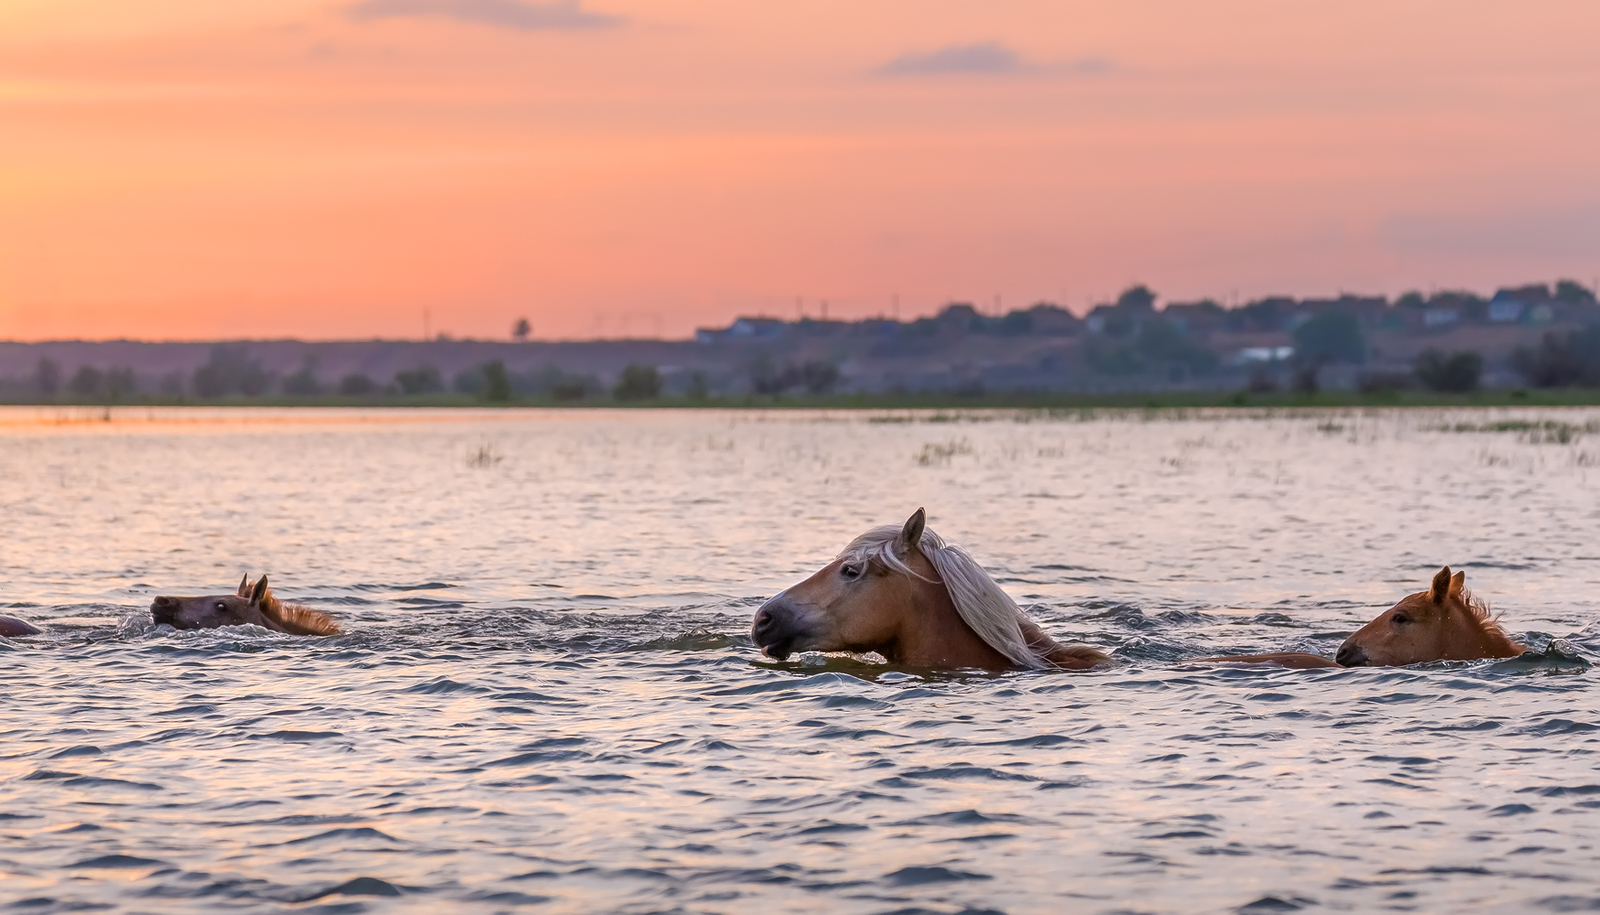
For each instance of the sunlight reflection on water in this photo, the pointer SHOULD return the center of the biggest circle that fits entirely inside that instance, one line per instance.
(548, 698)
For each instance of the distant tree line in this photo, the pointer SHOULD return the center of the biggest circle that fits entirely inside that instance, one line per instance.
(230, 373)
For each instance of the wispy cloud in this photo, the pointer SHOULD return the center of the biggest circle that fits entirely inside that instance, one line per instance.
(507, 14)
(989, 58)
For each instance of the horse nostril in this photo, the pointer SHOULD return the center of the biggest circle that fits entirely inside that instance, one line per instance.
(1350, 656)
(763, 621)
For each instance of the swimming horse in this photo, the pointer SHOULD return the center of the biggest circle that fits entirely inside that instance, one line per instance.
(906, 594)
(252, 604)
(1443, 623)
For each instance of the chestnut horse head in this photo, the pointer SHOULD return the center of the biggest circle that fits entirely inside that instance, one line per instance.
(1443, 623)
(252, 604)
(904, 593)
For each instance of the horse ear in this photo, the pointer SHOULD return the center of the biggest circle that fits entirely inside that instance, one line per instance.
(1441, 586)
(260, 592)
(244, 586)
(911, 534)
(1457, 583)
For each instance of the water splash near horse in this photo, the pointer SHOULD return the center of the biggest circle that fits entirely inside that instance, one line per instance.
(906, 594)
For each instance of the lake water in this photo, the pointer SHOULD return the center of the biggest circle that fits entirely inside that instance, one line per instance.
(548, 701)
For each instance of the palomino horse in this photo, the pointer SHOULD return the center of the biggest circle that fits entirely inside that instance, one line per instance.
(11, 627)
(1443, 623)
(250, 605)
(907, 595)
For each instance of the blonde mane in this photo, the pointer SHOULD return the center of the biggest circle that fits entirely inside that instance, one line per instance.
(296, 619)
(1480, 612)
(978, 598)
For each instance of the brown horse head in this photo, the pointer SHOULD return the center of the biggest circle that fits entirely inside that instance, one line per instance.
(1443, 623)
(905, 594)
(252, 604)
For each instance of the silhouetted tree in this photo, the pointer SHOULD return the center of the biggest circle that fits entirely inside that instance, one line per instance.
(521, 330)
(1332, 336)
(1561, 360)
(638, 382)
(1456, 373)
(230, 370)
(1137, 298)
(421, 380)
(1574, 293)
(496, 382)
(47, 377)
(121, 383)
(88, 383)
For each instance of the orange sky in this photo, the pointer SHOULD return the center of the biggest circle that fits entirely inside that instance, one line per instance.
(201, 169)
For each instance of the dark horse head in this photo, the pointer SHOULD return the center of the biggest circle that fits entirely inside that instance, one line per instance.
(250, 605)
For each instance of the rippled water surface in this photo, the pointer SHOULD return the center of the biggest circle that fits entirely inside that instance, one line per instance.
(548, 700)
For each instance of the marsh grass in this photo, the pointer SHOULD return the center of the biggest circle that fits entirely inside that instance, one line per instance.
(936, 453)
(484, 457)
(1532, 431)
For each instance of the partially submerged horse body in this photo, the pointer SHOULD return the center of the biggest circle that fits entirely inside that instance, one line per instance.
(1299, 660)
(11, 627)
(252, 604)
(904, 593)
(1443, 623)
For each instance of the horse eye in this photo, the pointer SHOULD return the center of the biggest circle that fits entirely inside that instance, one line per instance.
(221, 606)
(850, 571)
(1401, 619)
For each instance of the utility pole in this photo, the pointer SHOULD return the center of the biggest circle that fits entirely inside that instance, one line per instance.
(425, 318)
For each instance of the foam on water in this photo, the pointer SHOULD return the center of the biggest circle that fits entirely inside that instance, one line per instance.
(548, 700)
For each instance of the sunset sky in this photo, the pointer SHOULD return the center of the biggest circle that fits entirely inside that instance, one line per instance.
(252, 168)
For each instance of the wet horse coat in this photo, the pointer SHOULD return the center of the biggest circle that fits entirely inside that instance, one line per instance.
(908, 596)
(11, 627)
(1443, 623)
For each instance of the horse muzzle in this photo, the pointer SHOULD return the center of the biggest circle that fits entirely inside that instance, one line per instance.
(164, 610)
(776, 628)
(1351, 655)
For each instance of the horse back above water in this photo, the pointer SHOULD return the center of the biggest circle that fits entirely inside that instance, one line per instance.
(906, 594)
(252, 604)
(11, 627)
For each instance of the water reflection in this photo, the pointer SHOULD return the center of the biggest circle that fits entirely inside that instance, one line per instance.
(547, 698)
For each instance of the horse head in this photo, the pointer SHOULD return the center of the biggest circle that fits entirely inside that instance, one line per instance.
(904, 593)
(243, 608)
(855, 603)
(1443, 623)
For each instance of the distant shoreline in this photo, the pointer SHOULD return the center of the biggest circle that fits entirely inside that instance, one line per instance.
(1532, 397)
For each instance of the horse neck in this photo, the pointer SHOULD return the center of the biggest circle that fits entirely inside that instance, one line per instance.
(934, 634)
(272, 614)
(1471, 637)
